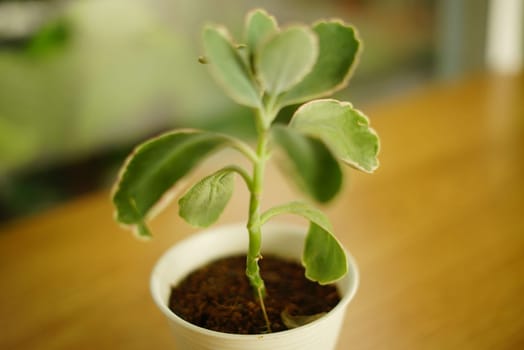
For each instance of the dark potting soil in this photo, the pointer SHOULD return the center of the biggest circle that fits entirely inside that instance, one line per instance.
(218, 296)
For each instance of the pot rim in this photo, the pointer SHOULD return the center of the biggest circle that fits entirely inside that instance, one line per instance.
(348, 295)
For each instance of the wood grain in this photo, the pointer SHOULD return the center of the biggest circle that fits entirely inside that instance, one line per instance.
(438, 233)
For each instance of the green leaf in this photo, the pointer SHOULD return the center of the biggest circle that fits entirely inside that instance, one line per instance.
(259, 26)
(343, 129)
(204, 202)
(155, 166)
(323, 257)
(298, 208)
(228, 68)
(52, 36)
(309, 164)
(285, 58)
(339, 47)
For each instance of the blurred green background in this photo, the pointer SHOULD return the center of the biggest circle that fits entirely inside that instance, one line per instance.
(81, 82)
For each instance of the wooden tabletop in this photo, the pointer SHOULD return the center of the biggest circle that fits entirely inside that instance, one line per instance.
(438, 233)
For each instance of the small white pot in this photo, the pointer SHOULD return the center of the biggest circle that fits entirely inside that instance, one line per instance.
(279, 239)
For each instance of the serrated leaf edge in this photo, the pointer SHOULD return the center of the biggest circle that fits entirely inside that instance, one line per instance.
(346, 78)
(343, 104)
(251, 13)
(169, 195)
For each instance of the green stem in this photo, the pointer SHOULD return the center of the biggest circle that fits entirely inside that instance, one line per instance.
(245, 176)
(254, 224)
(243, 148)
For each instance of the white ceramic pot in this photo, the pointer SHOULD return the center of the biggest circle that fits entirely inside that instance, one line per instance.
(280, 239)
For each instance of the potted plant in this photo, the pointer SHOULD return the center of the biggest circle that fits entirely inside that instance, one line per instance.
(272, 68)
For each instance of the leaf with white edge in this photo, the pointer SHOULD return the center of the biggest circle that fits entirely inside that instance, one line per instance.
(339, 48)
(155, 166)
(203, 203)
(344, 129)
(285, 58)
(308, 163)
(259, 26)
(323, 257)
(228, 68)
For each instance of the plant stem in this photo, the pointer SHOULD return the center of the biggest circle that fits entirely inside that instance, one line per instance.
(253, 225)
(240, 171)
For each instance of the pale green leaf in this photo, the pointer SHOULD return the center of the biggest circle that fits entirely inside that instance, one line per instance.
(339, 48)
(308, 163)
(344, 129)
(285, 58)
(155, 166)
(203, 203)
(228, 68)
(323, 257)
(298, 208)
(259, 27)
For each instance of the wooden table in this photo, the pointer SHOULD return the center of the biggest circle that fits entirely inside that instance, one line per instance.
(438, 232)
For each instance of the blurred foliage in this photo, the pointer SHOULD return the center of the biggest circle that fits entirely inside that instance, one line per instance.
(84, 80)
(53, 35)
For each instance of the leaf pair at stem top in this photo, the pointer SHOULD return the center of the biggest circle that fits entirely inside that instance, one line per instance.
(281, 66)
(271, 69)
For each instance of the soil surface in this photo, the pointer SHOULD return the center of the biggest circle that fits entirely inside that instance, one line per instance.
(218, 296)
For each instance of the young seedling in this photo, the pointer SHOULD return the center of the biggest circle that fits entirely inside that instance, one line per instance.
(271, 68)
